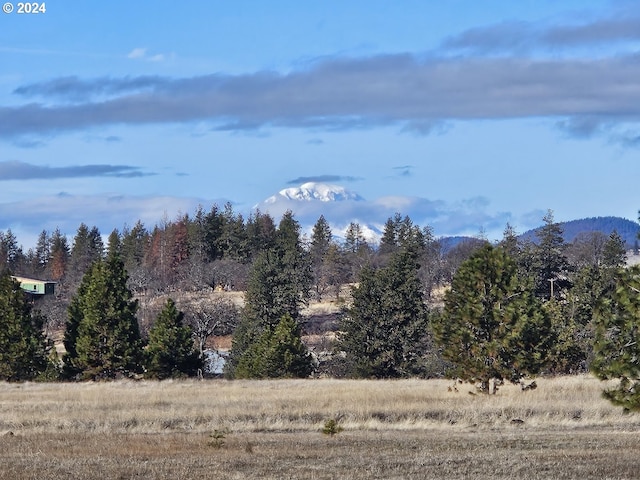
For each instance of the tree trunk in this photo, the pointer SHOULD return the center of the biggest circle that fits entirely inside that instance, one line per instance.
(484, 386)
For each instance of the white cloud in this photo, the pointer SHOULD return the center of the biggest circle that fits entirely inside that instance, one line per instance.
(109, 211)
(466, 217)
(137, 53)
(143, 54)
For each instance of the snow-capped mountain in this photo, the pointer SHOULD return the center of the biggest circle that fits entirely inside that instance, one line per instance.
(312, 199)
(315, 191)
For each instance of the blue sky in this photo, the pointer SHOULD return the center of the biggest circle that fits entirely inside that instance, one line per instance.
(464, 115)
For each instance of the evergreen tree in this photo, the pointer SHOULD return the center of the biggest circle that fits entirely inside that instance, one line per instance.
(278, 286)
(357, 251)
(384, 333)
(410, 236)
(42, 253)
(114, 244)
(614, 253)
(509, 242)
(24, 351)
(617, 346)
(261, 232)
(87, 248)
(569, 351)
(492, 327)
(430, 272)
(550, 264)
(102, 338)
(134, 245)
(233, 242)
(170, 352)
(389, 239)
(335, 268)
(11, 254)
(213, 227)
(276, 353)
(273, 289)
(133, 249)
(318, 252)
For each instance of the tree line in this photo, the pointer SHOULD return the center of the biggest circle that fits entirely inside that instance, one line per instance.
(511, 308)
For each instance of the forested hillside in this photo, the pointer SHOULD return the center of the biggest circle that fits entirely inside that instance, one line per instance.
(572, 229)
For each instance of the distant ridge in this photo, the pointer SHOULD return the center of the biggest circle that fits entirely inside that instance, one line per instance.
(627, 229)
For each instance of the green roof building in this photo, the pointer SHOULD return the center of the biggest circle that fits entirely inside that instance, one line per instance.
(36, 287)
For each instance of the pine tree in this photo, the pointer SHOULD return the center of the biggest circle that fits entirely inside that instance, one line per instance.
(170, 351)
(261, 232)
(42, 253)
(389, 239)
(430, 272)
(24, 351)
(11, 254)
(233, 241)
(568, 352)
(357, 251)
(614, 253)
(509, 242)
(134, 245)
(278, 286)
(384, 333)
(114, 244)
(102, 338)
(550, 264)
(213, 226)
(492, 327)
(617, 346)
(277, 353)
(318, 252)
(87, 248)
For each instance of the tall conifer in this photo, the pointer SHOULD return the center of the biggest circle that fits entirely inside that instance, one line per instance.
(23, 348)
(170, 352)
(103, 338)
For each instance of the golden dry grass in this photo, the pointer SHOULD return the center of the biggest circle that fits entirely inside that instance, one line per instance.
(392, 429)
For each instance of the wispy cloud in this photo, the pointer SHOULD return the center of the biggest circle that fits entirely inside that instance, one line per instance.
(323, 178)
(72, 88)
(462, 218)
(404, 170)
(345, 94)
(137, 53)
(503, 71)
(519, 37)
(142, 54)
(26, 171)
(67, 211)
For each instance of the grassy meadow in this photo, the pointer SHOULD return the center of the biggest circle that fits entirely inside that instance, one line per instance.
(272, 429)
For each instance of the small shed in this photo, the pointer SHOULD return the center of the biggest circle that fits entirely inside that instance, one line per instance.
(36, 287)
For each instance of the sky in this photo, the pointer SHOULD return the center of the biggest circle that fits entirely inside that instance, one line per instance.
(464, 115)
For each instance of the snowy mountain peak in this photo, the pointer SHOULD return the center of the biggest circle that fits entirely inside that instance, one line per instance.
(311, 191)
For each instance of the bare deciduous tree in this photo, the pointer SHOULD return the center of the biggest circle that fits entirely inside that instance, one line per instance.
(217, 317)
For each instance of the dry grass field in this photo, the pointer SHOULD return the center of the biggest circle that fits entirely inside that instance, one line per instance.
(272, 429)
